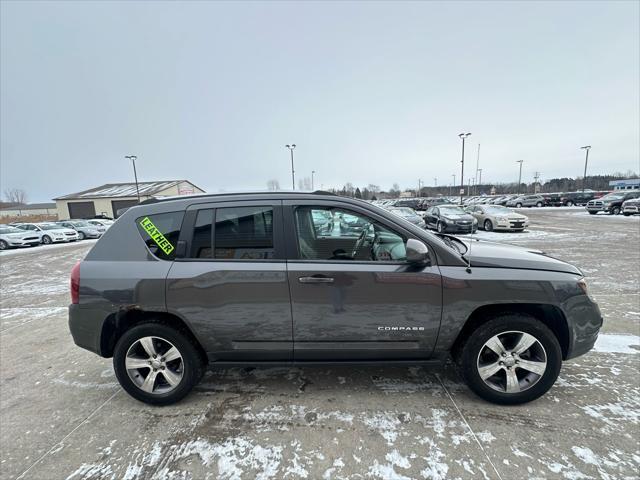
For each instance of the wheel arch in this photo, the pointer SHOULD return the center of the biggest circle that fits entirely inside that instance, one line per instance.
(117, 324)
(550, 315)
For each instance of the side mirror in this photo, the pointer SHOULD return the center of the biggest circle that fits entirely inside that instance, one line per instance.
(417, 252)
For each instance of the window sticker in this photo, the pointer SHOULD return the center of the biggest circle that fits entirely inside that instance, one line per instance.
(156, 235)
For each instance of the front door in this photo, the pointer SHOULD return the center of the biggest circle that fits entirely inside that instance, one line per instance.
(353, 295)
(231, 286)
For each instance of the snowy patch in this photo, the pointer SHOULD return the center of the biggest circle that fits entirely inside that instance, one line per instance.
(614, 343)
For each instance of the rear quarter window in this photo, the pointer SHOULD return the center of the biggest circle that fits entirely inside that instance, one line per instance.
(160, 233)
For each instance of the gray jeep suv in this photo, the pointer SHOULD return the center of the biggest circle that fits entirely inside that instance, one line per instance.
(263, 278)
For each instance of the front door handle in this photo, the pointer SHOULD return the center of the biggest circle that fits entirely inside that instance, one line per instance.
(315, 279)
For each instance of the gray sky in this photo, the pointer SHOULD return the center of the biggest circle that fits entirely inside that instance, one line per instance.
(370, 92)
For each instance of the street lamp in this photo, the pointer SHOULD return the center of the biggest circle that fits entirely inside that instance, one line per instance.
(293, 172)
(133, 159)
(463, 136)
(586, 159)
(313, 172)
(435, 181)
(519, 176)
(480, 177)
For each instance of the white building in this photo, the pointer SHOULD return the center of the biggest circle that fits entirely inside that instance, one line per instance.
(107, 199)
(30, 209)
(626, 184)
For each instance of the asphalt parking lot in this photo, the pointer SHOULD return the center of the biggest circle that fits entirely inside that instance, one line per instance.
(64, 416)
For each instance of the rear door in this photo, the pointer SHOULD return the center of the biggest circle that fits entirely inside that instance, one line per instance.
(361, 300)
(231, 286)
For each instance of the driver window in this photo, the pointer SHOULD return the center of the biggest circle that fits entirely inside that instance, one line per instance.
(335, 234)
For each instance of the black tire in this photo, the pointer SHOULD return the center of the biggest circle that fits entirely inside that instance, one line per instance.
(539, 204)
(193, 362)
(440, 227)
(518, 205)
(569, 203)
(488, 225)
(467, 358)
(3, 245)
(81, 236)
(592, 213)
(615, 211)
(46, 239)
(626, 214)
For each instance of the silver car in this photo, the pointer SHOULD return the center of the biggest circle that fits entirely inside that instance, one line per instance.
(526, 201)
(410, 215)
(14, 237)
(497, 217)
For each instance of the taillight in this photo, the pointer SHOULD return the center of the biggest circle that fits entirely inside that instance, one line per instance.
(75, 283)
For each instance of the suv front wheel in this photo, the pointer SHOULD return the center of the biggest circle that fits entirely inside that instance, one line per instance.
(157, 364)
(511, 359)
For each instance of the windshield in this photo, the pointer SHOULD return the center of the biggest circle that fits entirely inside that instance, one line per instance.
(496, 209)
(451, 210)
(10, 230)
(49, 226)
(81, 224)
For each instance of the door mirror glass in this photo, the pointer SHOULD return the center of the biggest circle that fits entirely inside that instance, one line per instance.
(417, 252)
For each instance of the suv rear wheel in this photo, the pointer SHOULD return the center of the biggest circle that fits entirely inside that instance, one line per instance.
(511, 359)
(157, 364)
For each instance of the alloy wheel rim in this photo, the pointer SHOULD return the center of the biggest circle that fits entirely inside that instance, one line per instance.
(488, 226)
(154, 365)
(512, 362)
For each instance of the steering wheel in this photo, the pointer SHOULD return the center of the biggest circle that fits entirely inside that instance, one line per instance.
(359, 243)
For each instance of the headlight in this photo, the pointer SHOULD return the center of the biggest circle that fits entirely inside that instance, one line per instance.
(582, 284)
(475, 221)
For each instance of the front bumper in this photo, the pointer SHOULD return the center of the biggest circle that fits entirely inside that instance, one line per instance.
(456, 228)
(23, 243)
(584, 320)
(631, 210)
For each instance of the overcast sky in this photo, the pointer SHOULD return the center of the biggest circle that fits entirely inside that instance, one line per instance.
(370, 92)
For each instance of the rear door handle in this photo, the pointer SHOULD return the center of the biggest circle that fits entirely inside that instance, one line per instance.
(315, 280)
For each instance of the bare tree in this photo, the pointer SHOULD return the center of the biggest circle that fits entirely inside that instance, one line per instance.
(273, 184)
(16, 195)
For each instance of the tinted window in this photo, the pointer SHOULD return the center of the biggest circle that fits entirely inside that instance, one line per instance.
(160, 232)
(333, 234)
(244, 233)
(201, 245)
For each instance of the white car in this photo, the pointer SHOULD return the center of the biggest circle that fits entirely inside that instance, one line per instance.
(50, 232)
(497, 217)
(101, 222)
(14, 237)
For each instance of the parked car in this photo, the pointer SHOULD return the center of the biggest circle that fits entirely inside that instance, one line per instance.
(50, 232)
(611, 203)
(84, 228)
(497, 217)
(575, 198)
(631, 207)
(450, 219)
(526, 201)
(407, 202)
(425, 203)
(11, 237)
(409, 215)
(551, 199)
(263, 280)
(100, 222)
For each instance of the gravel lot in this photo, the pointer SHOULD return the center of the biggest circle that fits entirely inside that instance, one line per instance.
(63, 415)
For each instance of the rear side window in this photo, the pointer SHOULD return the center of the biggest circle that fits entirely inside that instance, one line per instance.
(243, 233)
(160, 232)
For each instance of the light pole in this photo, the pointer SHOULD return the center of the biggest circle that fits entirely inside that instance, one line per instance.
(586, 159)
(480, 177)
(293, 172)
(133, 159)
(313, 172)
(463, 136)
(435, 181)
(519, 176)
(419, 187)
(477, 163)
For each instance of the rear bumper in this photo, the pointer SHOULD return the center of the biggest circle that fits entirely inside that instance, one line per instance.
(85, 325)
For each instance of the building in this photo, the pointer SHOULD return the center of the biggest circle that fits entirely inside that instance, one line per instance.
(107, 199)
(626, 184)
(28, 210)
